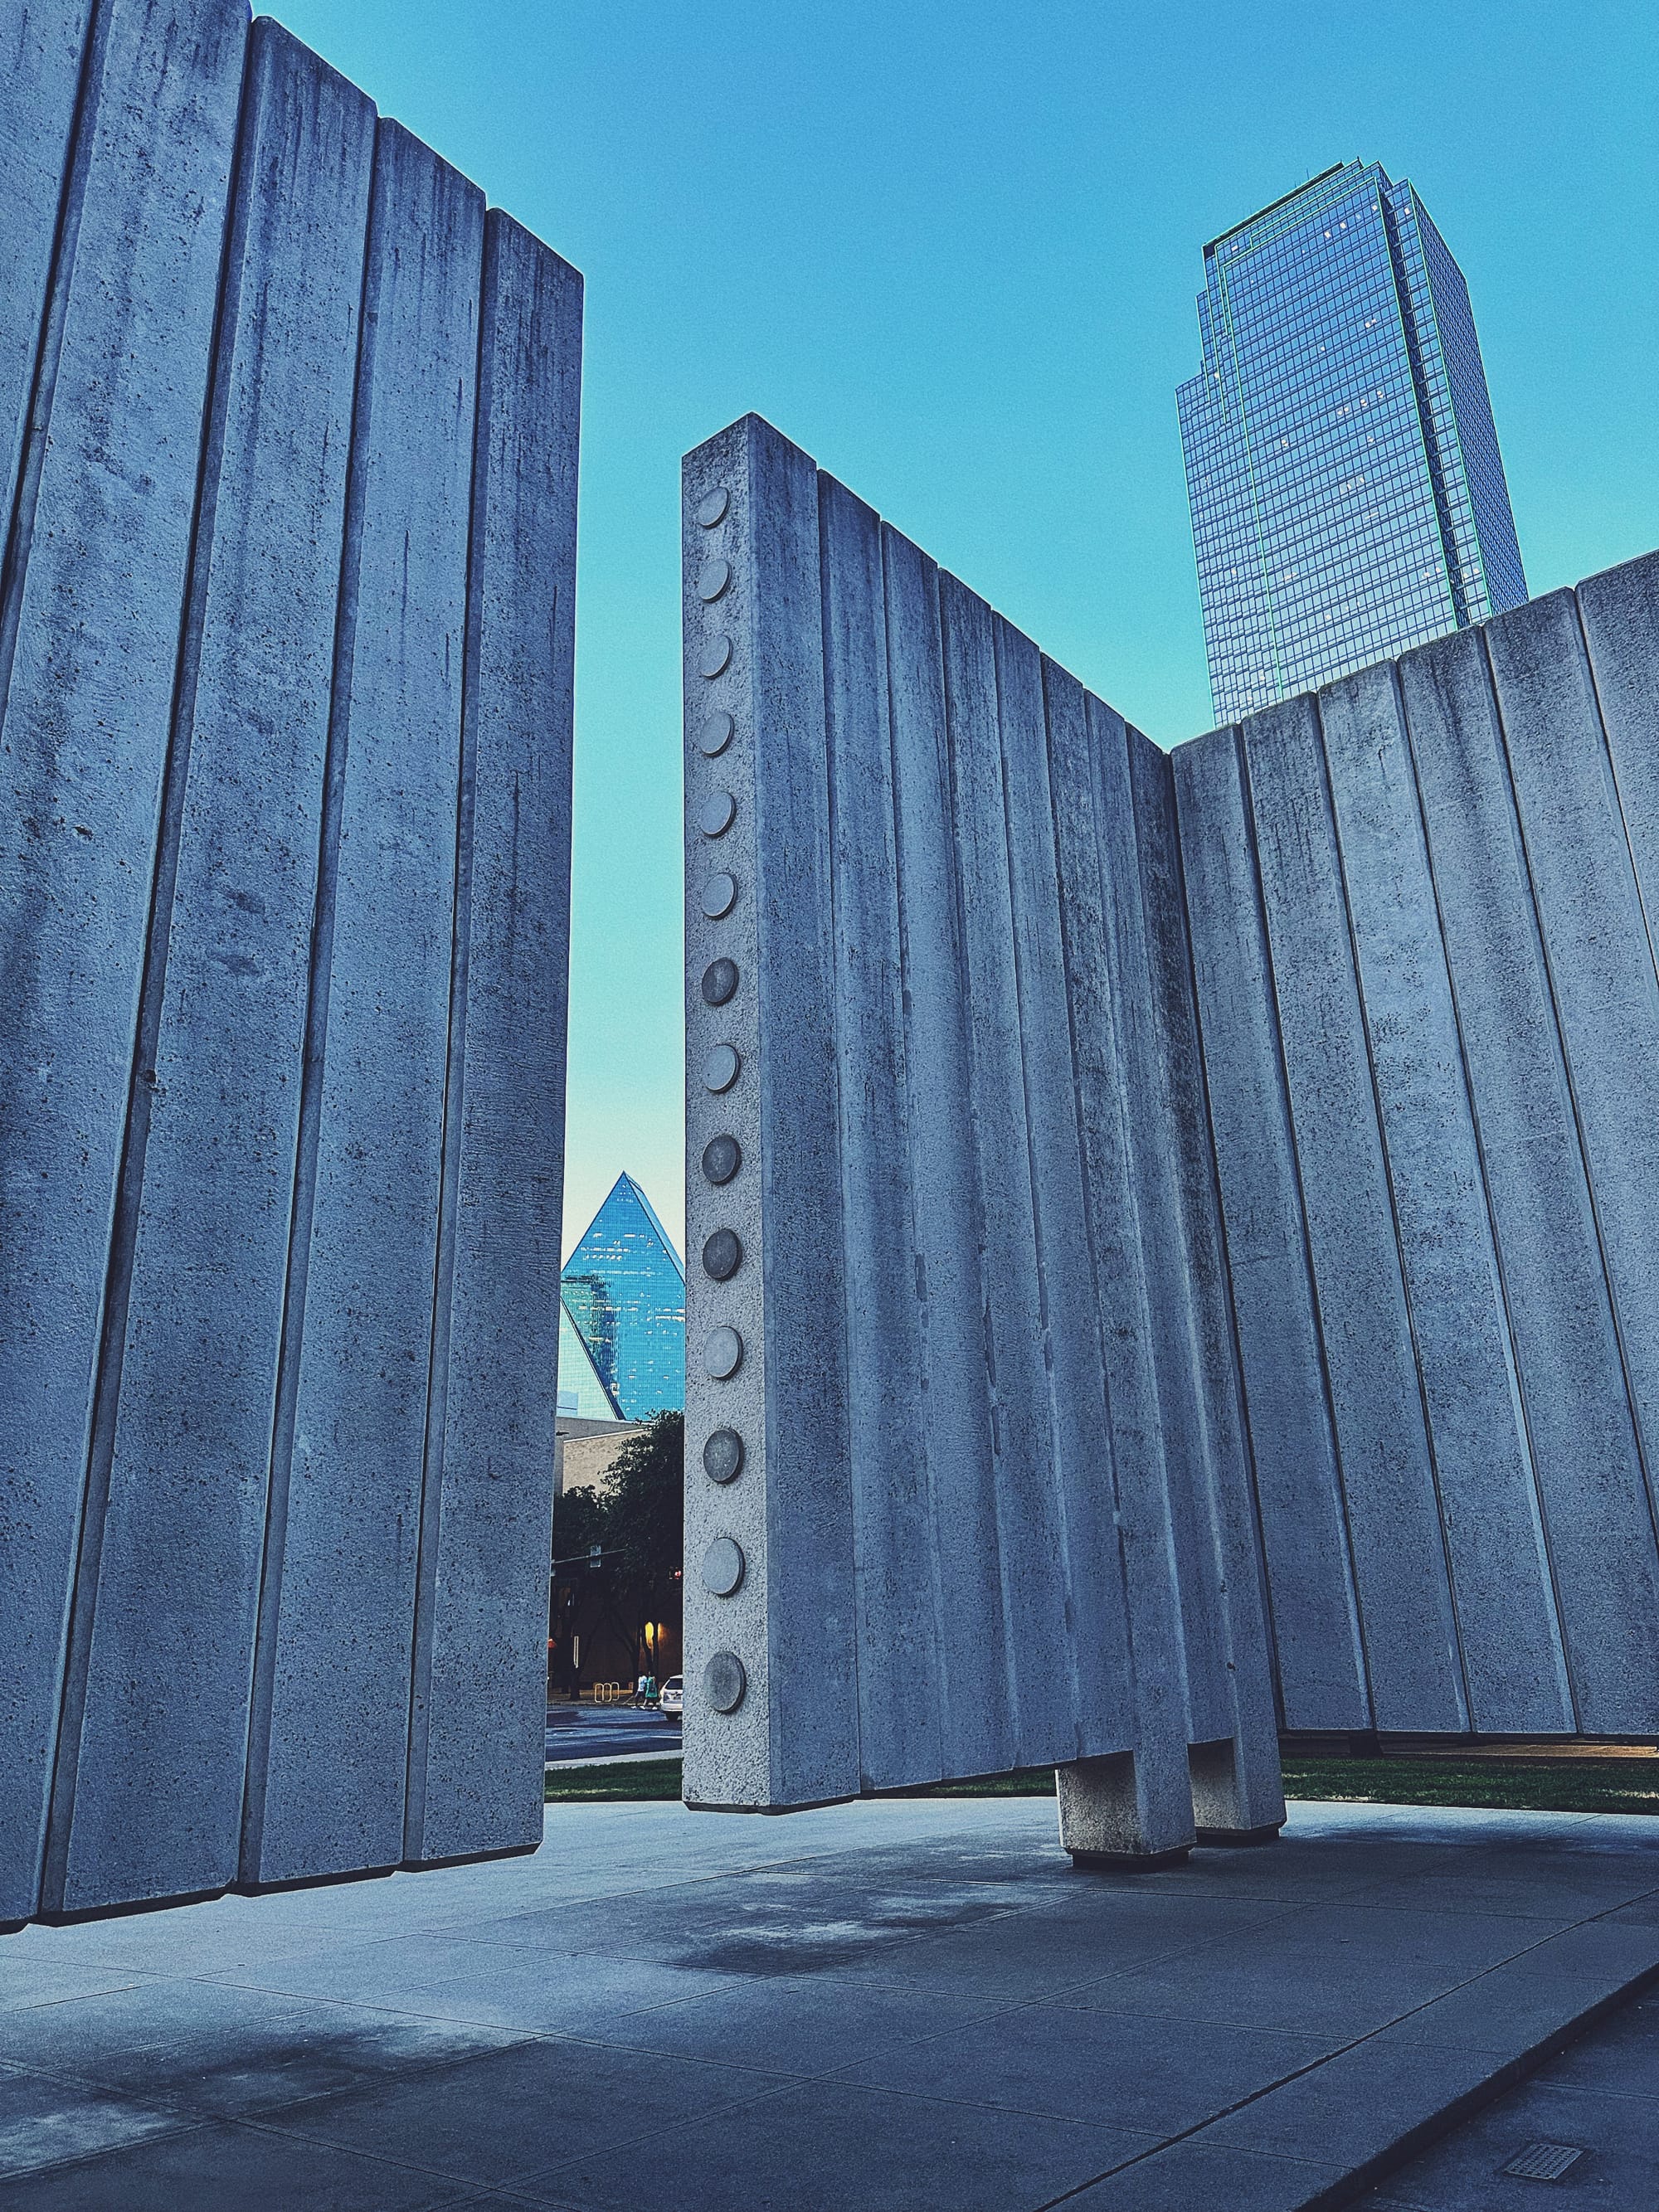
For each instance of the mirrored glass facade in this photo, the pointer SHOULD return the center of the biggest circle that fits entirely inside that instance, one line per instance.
(624, 1290)
(1348, 496)
(582, 1391)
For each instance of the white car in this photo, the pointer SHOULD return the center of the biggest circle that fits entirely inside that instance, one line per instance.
(673, 1695)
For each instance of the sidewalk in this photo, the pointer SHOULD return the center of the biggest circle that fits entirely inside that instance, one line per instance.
(894, 2007)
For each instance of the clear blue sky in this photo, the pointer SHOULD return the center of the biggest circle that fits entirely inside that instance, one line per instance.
(950, 248)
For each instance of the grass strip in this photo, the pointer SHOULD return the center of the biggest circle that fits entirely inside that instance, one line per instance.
(1578, 1785)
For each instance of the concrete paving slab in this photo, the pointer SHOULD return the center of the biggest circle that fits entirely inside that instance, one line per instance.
(548, 1992)
(1338, 1969)
(212, 2050)
(543, 2100)
(45, 2127)
(798, 2027)
(227, 2164)
(821, 2146)
(908, 2003)
(1185, 2176)
(1164, 2077)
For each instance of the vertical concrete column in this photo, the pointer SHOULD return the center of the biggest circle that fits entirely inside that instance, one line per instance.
(772, 1696)
(1085, 1568)
(486, 1495)
(1488, 1504)
(1297, 1490)
(181, 1440)
(1620, 611)
(896, 1588)
(1238, 1790)
(330, 1746)
(1597, 1520)
(91, 607)
(1394, 1512)
(1133, 1803)
(1037, 1639)
(42, 64)
(1600, 959)
(976, 1711)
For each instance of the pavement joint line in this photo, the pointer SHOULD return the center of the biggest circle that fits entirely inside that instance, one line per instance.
(1460, 2108)
(511, 2036)
(268, 2123)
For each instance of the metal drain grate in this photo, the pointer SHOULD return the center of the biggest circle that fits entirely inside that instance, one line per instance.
(1542, 2161)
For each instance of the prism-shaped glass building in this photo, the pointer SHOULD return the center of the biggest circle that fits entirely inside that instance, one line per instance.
(625, 1294)
(1348, 498)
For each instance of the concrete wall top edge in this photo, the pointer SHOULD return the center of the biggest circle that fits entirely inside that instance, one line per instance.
(267, 29)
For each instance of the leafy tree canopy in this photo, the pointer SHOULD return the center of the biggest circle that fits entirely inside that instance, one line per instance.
(640, 1518)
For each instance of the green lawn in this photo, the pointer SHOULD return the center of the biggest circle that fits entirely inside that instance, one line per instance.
(1576, 1785)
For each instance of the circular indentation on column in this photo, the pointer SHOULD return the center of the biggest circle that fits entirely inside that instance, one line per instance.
(722, 1158)
(711, 507)
(717, 814)
(724, 1682)
(721, 1069)
(722, 1353)
(713, 578)
(720, 896)
(720, 982)
(722, 1456)
(715, 658)
(722, 1254)
(716, 732)
(722, 1567)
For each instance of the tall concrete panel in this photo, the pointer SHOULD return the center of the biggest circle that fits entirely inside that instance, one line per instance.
(895, 1594)
(934, 1352)
(95, 575)
(1620, 614)
(770, 1617)
(1489, 1505)
(484, 1505)
(285, 660)
(1600, 959)
(1596, 1516)
(352, 1401)
(1388, 1478)
(1452, 857)
(1299, 1495)
(195, 1294)
(975, 1717)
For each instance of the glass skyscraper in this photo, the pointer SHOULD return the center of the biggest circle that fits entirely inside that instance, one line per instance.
(1348, 498)
(624, 1292)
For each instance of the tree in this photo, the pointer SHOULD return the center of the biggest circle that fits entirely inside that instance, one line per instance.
(578, 1523)
(645, 1518)
(638, 1522)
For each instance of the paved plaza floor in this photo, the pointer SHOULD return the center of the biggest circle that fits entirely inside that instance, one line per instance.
(891, 2007)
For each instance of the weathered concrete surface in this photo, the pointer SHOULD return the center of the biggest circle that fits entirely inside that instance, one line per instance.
(95, 575)
(907, 2003)
(272, 688)
(1452, 1228)
(980, 1443)
(198, 1273)
(485, 1508)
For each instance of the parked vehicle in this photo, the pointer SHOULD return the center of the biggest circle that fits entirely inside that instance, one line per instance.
(673, 1694)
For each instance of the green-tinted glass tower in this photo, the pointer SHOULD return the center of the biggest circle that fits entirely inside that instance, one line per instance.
(1348, 498)
(624, 1292)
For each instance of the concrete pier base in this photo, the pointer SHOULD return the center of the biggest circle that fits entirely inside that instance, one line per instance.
(1109, 1818)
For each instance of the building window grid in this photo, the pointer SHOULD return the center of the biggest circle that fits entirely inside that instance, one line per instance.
(1281, 442)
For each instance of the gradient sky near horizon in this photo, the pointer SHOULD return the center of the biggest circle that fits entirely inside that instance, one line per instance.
(951, 247)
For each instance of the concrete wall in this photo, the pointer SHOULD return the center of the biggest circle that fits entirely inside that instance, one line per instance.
(1154, 1206)
(966, 1477)
(1421, 909)
(289, 427)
